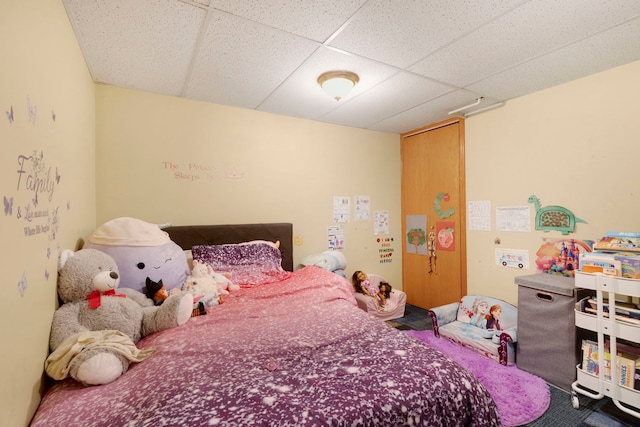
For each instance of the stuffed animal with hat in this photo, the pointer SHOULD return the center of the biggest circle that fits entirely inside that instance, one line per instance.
(141, 250)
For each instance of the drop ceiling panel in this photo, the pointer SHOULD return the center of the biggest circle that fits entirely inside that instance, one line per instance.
(240, 63)
(401, 32)
(312, 19)
(508, 40)
(416, 59)
(145, 45)
(605, 50)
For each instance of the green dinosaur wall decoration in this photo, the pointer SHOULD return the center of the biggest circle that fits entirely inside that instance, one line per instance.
(556, 218)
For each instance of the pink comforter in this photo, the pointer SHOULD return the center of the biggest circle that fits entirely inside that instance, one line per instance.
(292, 353)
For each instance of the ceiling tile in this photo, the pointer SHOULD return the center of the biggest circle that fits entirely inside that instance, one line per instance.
(313, 19)
(588, 56)
(401, 32)
(508, 41)
(145, 45)
(416, 59)
(240, 63)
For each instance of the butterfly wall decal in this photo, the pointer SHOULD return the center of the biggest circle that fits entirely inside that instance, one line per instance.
(10, 114)
(8, 206)
(33, 111)
(22, 285)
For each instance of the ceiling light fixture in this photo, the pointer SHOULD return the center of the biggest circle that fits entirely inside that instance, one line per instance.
(338, 84)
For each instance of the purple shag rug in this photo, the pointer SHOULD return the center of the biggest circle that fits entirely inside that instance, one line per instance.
(520, 396)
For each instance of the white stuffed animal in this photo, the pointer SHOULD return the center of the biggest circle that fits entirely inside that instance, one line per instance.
(201, 281)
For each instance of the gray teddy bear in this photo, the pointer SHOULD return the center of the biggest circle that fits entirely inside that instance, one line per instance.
(94, 331)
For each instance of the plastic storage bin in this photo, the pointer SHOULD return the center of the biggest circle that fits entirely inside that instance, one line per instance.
(548, 340)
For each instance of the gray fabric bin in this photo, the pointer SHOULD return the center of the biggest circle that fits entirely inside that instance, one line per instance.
(548, 340)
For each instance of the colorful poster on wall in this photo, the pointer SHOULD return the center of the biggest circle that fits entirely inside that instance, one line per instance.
(416, 234)
(561, 256)
(341, 208)
(479, 215)
(335, 236)
(362, 208)
(513, 218)
(381, 222)
(445, 239)
(512, 258)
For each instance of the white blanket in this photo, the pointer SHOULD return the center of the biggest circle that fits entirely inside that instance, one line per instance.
(58, 362)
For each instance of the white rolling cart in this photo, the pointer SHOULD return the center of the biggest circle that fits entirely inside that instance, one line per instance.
(596, 386)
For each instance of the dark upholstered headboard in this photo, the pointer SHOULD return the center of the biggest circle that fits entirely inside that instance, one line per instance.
(187, 236)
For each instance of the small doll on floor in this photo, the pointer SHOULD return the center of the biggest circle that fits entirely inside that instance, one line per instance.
(362, 285)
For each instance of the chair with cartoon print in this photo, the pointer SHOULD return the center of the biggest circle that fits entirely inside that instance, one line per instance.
(483, 324)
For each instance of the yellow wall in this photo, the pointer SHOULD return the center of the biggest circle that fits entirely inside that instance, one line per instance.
(166, 159)
(574, 145)
(42, 74)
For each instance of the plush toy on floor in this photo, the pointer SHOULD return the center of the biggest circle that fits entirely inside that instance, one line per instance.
(94, 331)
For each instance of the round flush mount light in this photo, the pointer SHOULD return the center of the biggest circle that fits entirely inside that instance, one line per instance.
(338, 84)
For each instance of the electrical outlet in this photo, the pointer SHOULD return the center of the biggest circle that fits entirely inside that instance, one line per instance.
(297, 240)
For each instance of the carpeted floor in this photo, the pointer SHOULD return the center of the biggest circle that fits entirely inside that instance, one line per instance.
(520, 396)
(561, 413)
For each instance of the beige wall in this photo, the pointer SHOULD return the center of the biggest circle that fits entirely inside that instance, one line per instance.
(43, 74)
(574, 145)
(166, 159)
(552, 144)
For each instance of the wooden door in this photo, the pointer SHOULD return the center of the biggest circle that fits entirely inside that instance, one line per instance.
(433, 186)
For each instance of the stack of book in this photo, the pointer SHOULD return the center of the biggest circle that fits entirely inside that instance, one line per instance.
(625, 311)
(627, 363)
(616, 254)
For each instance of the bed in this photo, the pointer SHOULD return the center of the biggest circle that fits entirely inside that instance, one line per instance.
(293, 352)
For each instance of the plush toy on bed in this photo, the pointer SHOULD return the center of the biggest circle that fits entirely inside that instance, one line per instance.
(203, 280)
(204, 288)
(94, 331)
(142, 250)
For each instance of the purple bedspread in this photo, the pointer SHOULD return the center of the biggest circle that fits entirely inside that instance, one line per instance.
(292, 353)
